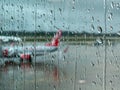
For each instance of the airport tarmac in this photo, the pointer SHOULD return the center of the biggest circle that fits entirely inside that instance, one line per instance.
(82, 67)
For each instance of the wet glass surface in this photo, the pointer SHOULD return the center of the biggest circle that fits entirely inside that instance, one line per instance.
(59, 44)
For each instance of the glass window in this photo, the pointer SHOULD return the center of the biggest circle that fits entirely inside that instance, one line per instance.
(59, 44)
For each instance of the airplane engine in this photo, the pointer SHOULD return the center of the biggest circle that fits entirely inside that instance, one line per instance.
(25, 57)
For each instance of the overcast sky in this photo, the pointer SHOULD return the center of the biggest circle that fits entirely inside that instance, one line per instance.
(48, 15)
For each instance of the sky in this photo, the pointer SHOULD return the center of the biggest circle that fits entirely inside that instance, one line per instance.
(67, 15)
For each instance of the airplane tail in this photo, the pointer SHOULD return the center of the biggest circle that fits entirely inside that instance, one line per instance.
(55, 39)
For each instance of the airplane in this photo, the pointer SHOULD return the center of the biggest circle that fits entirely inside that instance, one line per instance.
(10, 38)
(28, 51)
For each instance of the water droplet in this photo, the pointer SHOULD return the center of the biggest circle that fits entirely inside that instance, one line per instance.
(88, 10)
(6, 11)
(110, 61)
(33, 12)
(92, 18)
(54, 19)
(21, 7)
(111, 28)
(6, 4)
(99, 29)
(60, 10)
(110, 16)
(97, 76)
(73, 8)
(81, 81)
(38, 26)
(98, 20)
(12, 4)
(12, 17)
(43, 14)
(73, 2)
(2, 7)
(93, 82)
(53, 57)
(1, 29)
(37, 86)
(118, 6)
(71, 80)
(92, 64)
(51, 11)
(110, 82)
(51, 22)
(64, 57)
(54, 87)
(99, 41)
(112, 89)
(92, 26)
(112, 5)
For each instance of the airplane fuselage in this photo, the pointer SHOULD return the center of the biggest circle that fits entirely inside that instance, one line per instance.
(32, 50)
(25, 52)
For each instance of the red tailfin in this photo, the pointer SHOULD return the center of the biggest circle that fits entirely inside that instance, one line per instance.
(55, 39)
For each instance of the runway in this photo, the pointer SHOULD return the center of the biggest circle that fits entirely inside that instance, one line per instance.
(80, 68)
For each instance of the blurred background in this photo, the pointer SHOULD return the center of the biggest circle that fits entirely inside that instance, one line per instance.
(90, 28)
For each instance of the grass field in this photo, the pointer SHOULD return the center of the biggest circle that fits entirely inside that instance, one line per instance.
(75, 38)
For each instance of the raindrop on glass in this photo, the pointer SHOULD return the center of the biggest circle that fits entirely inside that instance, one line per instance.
(93, 82)
(110, 16)
(51, 11)
(110, 82)
(73, 8)
(21, 7)
(44, 14)
(118, 6)
(73, 2)
(6, 11)
(12, 18)
(2, 7)
(92, 64)
(99, 29)
(53, 57)
(92, 18)
(1, 29)
(98, 20)
(38, 26)
(54, 87)
(111, 28)
(37, 86)
(12, 4)
(92, 26)
(99, 41)
(112, 89)
(112, 5)
(60, 10)
(88, 10)
(51, 22)
(54, 19)
(64, 57)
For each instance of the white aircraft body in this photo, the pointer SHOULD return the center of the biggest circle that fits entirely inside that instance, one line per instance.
(26, 52)
(10, 38)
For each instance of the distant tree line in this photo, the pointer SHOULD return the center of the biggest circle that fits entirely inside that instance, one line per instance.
(64, 33)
